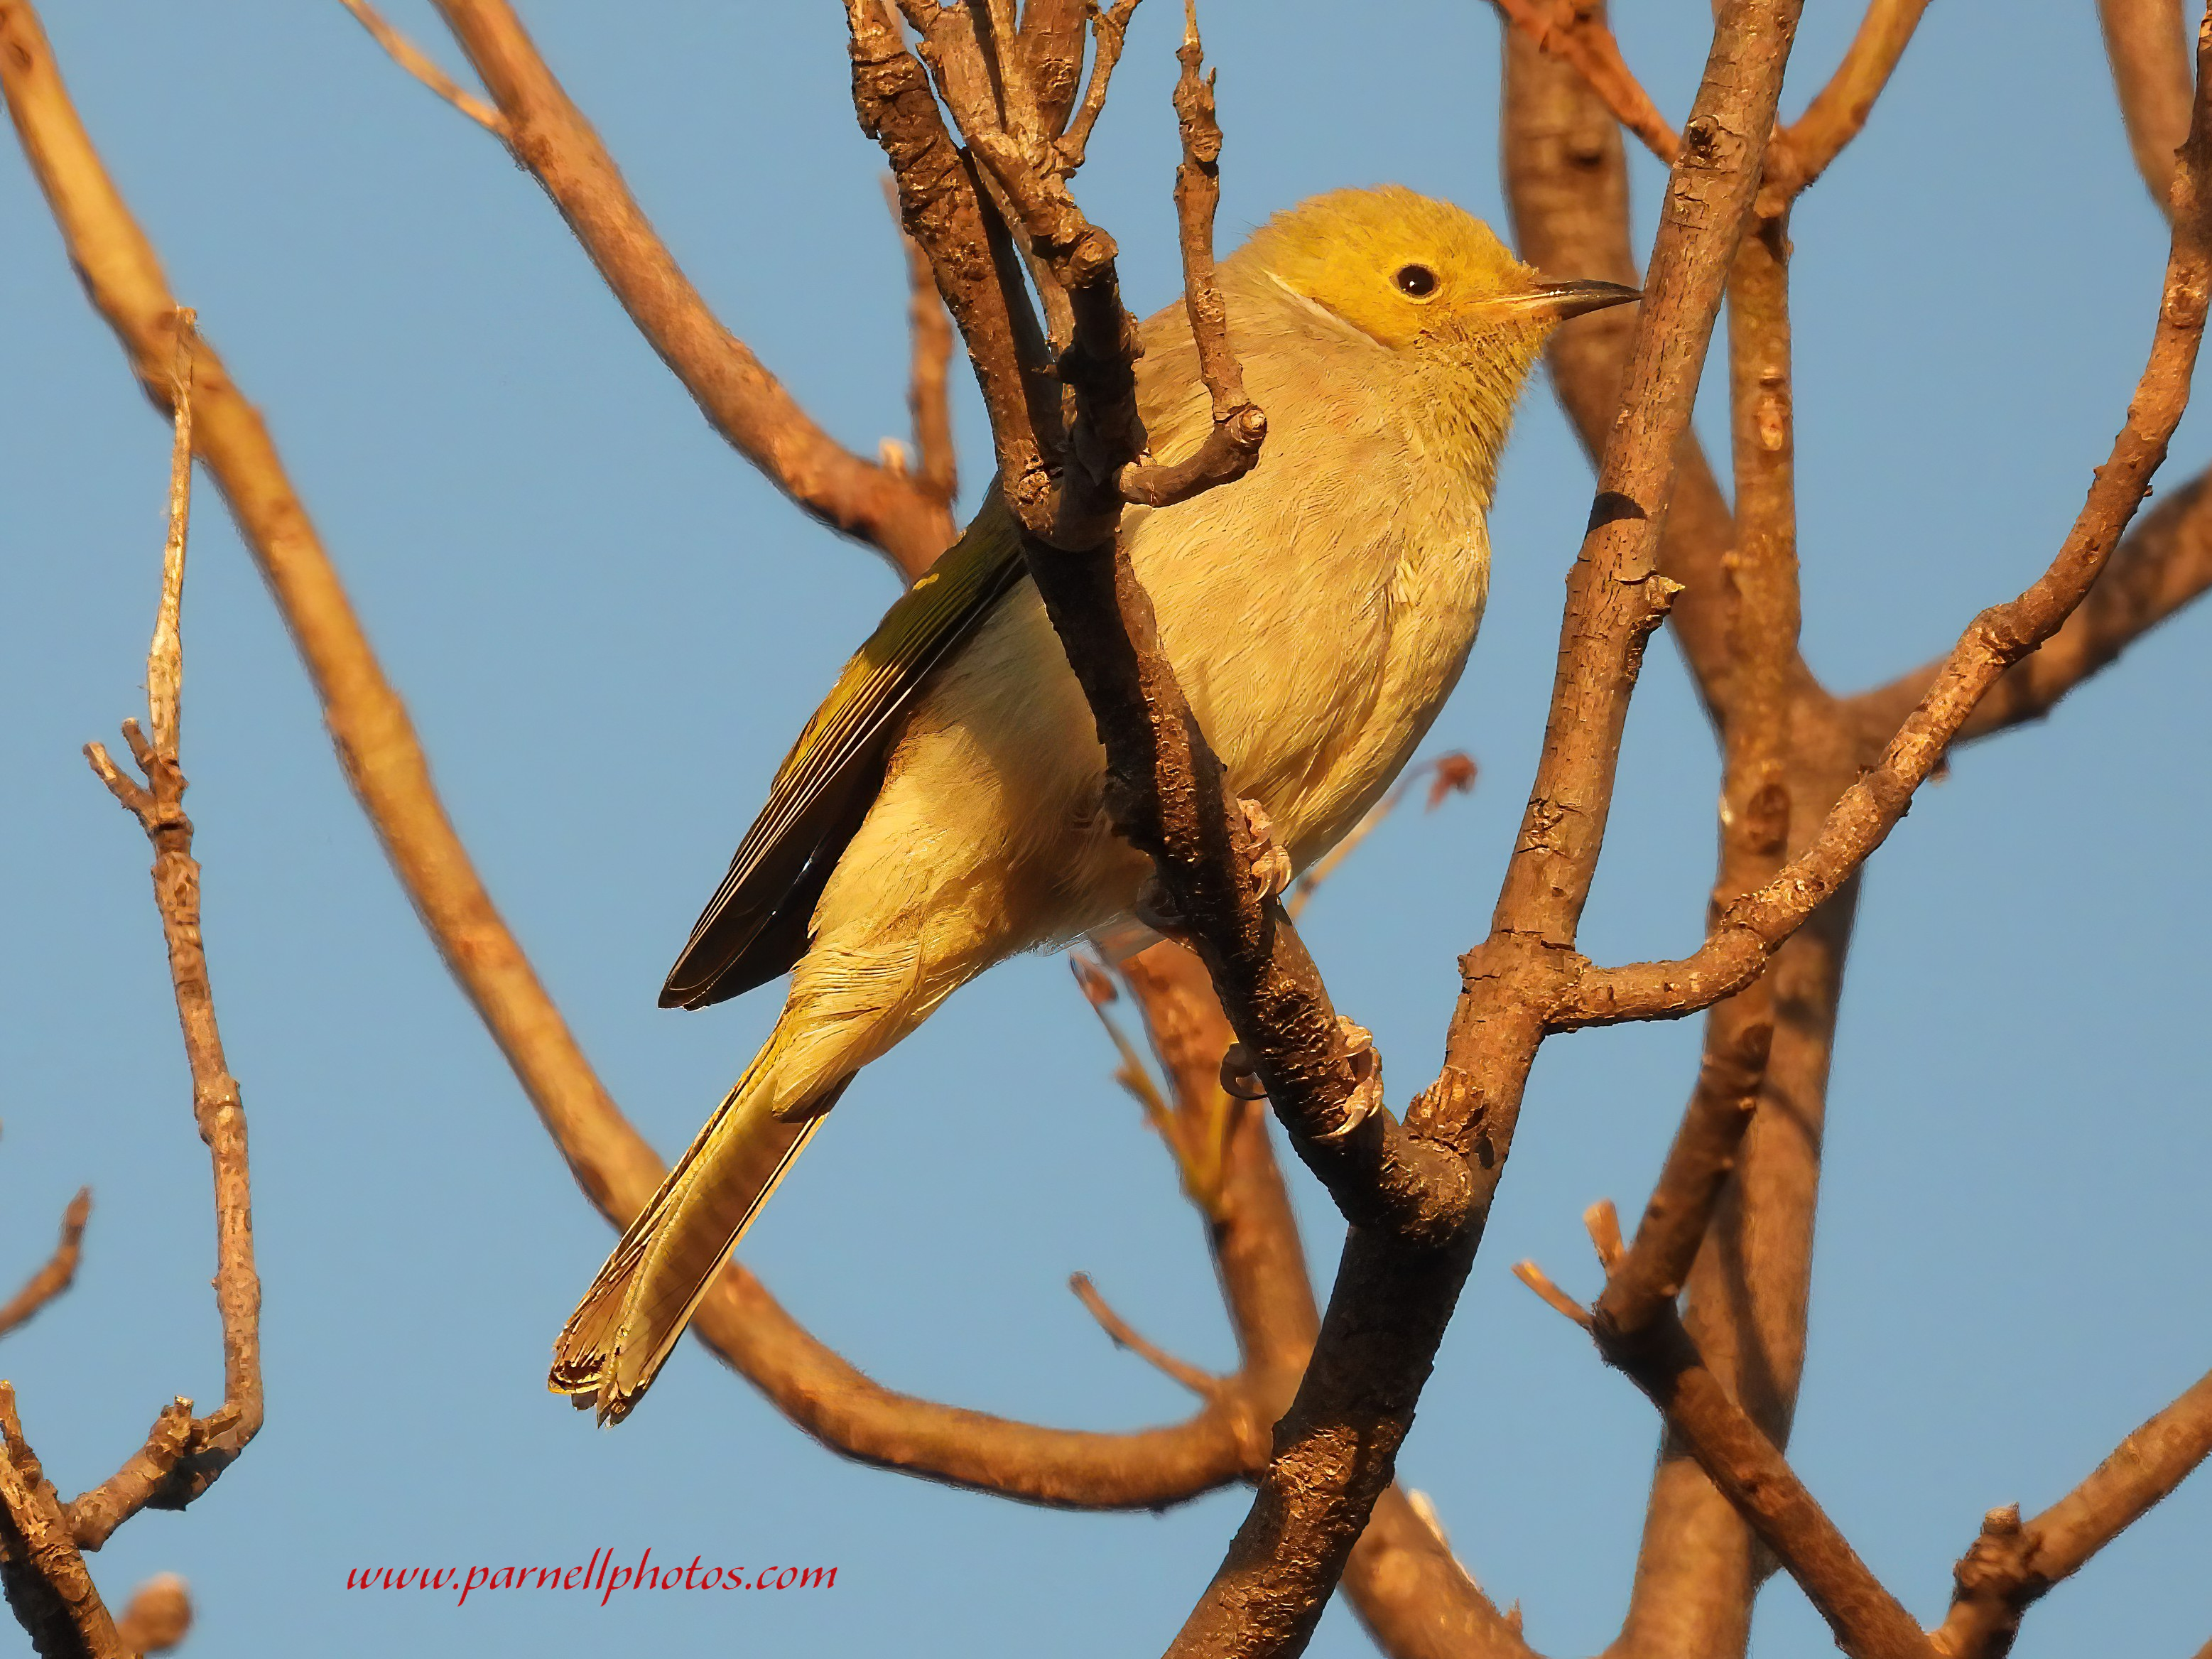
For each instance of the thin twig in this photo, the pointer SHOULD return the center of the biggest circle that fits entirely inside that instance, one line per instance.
(1232, 447)
(182, 1461)
(928, 397)
(419, 63)
(1546, 1288)
(1204, 1384)
(60, 1268)
(165, 656)
(1109, 26)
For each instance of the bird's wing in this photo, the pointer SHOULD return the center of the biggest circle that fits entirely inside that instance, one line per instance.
(756, 925)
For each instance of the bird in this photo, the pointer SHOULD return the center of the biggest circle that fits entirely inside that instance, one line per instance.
(943, 810)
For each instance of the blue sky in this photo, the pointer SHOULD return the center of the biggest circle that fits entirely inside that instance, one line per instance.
(608, 628)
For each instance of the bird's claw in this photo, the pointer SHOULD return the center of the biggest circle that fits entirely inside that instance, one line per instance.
(1366, 1096)
(1269, 865)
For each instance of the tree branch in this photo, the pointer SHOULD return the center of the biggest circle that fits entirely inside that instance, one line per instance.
(2162, 564)
(195, 1450)
(1576, 34)
(49, 1589)
(936, 470)
(2147, 42)
(1736, 950)
(1110, 26)
(1840, 110)
(549, 136)
(1404, 1583)
(2011, 1564)
(1566, 184)
(384, 760)
(1232, 448)
(1123, 1334)
(418, 63)
(60, 1268)
(1395, 1291)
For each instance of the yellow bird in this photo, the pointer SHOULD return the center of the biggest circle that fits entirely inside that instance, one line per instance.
(941, 812)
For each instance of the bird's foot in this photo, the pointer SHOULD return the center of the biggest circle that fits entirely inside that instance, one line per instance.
(1239, 1076)
(1366, 1096)
(1269, 865)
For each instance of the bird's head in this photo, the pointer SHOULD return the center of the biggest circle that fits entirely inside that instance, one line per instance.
(1433, 289)
(1412, 273)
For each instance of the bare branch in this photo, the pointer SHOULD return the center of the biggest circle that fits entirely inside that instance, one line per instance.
(1394, 1292)
(928, 397)
(1567, 182)
(59, 1271)
(1109, 26)
(2162, 564)
(186, 1453)
(1752, 928)
(2148, 44)
(943, 207)
(1232, 448)
(1204, 1384)
(1868, 1622)
(1414, 1596)
(149, 1478)
(1406, 1585)
(1051, 42)
(1550, 1294)
(418, 63)
(385, 762)
(165, 656)
(548, 134)
(2011, 1564)
(1645, 1280)
(48, 1589)
(1840, 110)
(1578, 35)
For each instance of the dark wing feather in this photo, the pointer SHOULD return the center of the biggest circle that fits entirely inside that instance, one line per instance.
(757, 923)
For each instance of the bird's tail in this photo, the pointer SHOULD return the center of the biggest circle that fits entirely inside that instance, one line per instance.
(626, 1326)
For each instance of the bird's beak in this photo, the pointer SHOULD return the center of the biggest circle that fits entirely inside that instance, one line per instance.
(1555, 302)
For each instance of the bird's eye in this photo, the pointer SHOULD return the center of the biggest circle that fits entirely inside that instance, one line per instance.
(1417, 281)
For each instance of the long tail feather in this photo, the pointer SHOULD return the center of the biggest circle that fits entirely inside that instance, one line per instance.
(629, 1322)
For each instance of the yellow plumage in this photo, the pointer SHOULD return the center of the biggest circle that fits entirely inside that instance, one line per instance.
(941, 812)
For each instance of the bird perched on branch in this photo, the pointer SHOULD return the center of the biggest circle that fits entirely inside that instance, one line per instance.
(942, 810)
